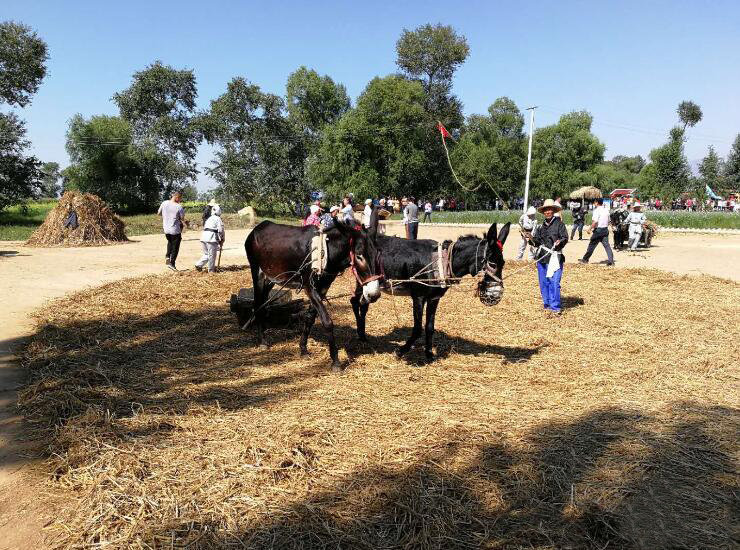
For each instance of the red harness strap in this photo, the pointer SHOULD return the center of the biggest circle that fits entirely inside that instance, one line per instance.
(353, 267)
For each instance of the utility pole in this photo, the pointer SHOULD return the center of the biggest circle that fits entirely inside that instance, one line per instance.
(529, 155)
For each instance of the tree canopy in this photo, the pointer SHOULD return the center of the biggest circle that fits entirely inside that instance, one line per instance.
(689, 113)
(106, 163)
(564, 154)
(732, 167)
(23, 57)
(160, 108)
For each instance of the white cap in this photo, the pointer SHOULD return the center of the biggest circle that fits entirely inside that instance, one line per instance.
(314, 209)
(369, 201)
(215, 210)
(334, 208)
(531, 211)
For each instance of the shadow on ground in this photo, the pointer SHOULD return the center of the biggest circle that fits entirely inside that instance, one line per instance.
(611, 478)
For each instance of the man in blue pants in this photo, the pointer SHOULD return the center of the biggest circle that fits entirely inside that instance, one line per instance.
(550, 238)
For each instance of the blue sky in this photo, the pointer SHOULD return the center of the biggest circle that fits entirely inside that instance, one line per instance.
(628, 63)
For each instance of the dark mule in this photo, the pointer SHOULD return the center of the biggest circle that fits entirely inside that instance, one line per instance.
(618, 219)
(281, 254)
(403, 259)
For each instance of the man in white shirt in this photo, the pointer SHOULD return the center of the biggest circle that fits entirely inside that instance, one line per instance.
(173, 218)
(600, 228)
(211, 240)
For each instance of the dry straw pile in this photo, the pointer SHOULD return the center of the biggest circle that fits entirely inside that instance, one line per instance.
(97, 224)
(613, 426)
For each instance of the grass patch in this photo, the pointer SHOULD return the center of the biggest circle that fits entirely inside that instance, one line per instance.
(678, 218)
(17, 222)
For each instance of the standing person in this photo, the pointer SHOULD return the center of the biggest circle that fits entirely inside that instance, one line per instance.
(579, 217)
(348, 212)
(328, 220)
(207, 210)
(173, 219)
(411, 213)
(527, 226)
(313, 216)
(427, 212)
(211, 240)
(636, 220)
(600, 228)
(441, 204)
(550, 238)
(366, 213)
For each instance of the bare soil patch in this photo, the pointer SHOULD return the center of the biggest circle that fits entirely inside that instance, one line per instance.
(615, 424)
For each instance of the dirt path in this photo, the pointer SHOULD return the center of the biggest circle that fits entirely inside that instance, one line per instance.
(32, 276)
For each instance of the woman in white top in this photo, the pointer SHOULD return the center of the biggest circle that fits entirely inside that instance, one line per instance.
(366, 213)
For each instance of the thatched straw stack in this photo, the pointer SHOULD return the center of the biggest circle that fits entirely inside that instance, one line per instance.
(97, 224)
(588, 192)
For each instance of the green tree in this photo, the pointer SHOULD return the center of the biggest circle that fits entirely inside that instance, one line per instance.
(712, 174)
(106, 163)
(160, 108)
(633, 165)
(19, 174)
(491, 154)
(671, 169)
(689, 113)
(50, 176)
(313, 101)
(564, 154)
(732, 167)
(379, 147)
(23, 57)
(258, 159)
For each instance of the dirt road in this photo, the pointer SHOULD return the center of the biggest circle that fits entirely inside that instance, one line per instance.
(33, 276)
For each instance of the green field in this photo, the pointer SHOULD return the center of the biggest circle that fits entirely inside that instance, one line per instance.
(17, 224)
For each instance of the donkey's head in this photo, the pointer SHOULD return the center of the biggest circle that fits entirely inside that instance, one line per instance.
(363, 257)
(491, 263)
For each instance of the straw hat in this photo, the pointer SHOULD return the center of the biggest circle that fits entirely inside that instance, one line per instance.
(334, 208)
(550, 205)
(213, 203)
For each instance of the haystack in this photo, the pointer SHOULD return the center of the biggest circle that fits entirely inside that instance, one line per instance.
(588, 192)
(95, 224)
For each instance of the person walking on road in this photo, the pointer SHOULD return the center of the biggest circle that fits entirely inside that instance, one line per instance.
(527, 226)
(550, 237)
(173, 220)
(411, 214)
(600, 228)
(211, 240)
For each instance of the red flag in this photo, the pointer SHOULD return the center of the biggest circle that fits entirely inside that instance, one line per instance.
(443, 130)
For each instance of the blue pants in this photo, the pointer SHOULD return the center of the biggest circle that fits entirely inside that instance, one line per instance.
(550, 288)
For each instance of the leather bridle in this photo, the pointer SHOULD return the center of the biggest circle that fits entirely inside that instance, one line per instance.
(353, 266)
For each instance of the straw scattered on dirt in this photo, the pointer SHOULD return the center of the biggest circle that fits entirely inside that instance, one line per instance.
(613, 426)
(97, 224)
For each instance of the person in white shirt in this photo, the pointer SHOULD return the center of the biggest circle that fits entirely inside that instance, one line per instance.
(348, 212)
(636, 220)
(427, 212)
(527, 227)
(600, 228)
(211, 240)
(173, 219)
(366, 213)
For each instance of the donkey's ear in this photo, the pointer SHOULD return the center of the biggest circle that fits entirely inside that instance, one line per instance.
(504, 233)
(491, 235)
(374, 220)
